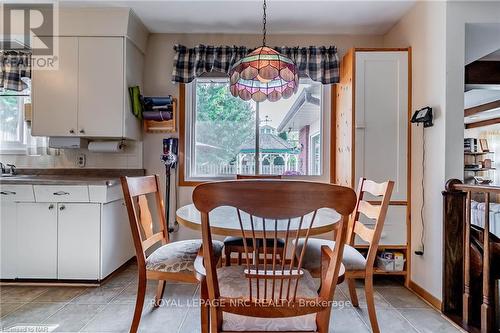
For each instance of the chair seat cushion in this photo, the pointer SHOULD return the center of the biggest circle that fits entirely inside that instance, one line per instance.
(233, 283)
(178, 257)
(238, 241)
(352, 259)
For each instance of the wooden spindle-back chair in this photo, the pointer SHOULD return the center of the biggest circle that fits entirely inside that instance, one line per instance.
(378, 213)
(234, 244)
(272, 209)
(171, 261)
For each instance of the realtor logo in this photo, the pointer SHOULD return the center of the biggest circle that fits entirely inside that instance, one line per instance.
(31, 26)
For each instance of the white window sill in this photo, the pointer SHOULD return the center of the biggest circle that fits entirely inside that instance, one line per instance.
(318, 178)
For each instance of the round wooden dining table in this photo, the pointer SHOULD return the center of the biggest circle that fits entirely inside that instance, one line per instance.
(224, 221)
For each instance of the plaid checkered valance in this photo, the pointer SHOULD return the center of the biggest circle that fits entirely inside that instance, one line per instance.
(320, 63)
(14, 66)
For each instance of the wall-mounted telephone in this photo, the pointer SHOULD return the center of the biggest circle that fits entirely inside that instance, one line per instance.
(423, 115)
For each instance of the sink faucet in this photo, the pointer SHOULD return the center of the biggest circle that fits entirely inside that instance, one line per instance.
(12, 169)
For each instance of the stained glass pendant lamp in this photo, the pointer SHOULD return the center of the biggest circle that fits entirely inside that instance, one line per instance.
(264, 74)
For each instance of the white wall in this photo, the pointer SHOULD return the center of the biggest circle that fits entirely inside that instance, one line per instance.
(158, 72)
(458, 14)
(130, 158)
(424, 29)
(436, 32)
(480, 40)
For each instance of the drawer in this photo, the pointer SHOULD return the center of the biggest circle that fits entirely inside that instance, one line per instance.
(17, 193)
(61, 193)
(105, 194)
(394, 231)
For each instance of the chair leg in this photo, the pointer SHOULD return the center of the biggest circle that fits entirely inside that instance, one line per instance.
(159, 292)
(139, 302)
(352, 292)
(370, 302)
(227, 252)
(204, 308)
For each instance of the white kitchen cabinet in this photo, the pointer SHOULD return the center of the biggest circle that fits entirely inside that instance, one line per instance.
(381, 120)
(88, 94)
(8, 240)
(101, 86)
(55, 93)
(372, 129)
(394, 231)
(37, 240)
(116, 246)
(65, 232)
(78, 241)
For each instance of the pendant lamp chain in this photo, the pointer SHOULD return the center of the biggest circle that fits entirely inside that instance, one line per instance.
(264, 24)
(264, 73)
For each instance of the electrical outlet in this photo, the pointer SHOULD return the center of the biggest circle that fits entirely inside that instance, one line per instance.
(419, 251)
(81, 160)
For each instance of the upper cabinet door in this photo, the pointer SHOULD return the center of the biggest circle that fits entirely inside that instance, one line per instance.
(381, 118)
(101, 87)
(55, 93)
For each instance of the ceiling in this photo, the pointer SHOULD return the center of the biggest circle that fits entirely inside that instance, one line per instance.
(494, 56)
(370, 17)
(477, 97)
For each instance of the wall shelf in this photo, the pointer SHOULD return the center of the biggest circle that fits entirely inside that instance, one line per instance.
(478, 169)
(166, 126)
(478, 153)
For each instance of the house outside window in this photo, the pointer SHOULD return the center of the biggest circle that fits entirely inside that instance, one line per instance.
(221, 132)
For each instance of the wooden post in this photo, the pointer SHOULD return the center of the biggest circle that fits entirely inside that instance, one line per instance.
(453, 249)
(466, 296)
(486, 309)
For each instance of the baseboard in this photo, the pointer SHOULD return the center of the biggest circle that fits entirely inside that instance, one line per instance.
(425, 295)
(65, 283)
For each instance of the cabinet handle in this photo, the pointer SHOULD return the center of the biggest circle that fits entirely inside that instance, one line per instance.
(51, 207)
(82, 131)
(7, 193)
(62, 207)
(61, 193)
(72, 131)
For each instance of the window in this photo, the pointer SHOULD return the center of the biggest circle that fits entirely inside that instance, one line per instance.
(221, 132)
(15, 133)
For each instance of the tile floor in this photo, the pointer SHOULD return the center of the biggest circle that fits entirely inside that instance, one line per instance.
(109, 308)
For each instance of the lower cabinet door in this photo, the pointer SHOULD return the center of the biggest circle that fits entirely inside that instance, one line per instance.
(78, 250)
(8, 240)
(37, 240)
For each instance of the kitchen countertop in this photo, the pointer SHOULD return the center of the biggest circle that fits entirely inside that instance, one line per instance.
(108, 177)
(59, 180)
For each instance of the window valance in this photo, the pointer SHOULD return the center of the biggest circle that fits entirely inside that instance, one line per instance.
(14, 66)
(320, 63)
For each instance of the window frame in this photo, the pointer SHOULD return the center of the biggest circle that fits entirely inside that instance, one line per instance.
(312, 152)
(187, 106)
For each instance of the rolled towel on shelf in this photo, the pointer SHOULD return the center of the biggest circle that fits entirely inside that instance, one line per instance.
(157, 115)
(151, 102)
(160, 108)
